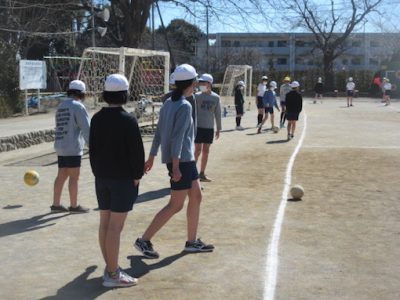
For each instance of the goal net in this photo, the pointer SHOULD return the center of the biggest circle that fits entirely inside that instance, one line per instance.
(234, 74)
(146, 70)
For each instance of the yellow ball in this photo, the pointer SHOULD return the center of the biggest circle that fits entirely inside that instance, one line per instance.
(31, 178)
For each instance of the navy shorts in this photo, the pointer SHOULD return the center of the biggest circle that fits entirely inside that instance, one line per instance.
(189, 173)
(239, 109)
(350, 93)
(204, 136)
(69, 161)
(290, 116)
(269, 110)
(388, 93)
(260, 103)
(117, 195)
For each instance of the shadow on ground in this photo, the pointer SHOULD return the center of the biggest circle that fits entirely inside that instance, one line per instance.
(34, 223)
(81, 287)
(139, 268)
(278, 141)
(153, 195)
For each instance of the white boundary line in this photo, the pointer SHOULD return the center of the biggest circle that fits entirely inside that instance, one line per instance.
(271, 267)
(352, 147)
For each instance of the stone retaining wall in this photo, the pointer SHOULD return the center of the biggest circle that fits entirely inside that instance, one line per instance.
(26, 140)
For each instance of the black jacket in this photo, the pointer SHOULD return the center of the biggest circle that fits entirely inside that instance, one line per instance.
(294, 102)
(115, 145)
(239, 100)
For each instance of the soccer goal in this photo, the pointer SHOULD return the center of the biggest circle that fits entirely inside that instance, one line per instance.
(234, 74)
(146, 70)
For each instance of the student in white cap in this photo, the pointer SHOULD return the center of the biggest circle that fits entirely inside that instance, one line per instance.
(350, 87)
(71, 134)
(117, 161)
(239, 102)
(175, 135)
(387, 90)
(269, 101)
(319, 90)
(261, 89)
(294, 105)
(208, 113)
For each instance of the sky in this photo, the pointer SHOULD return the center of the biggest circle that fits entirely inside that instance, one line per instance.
(390, 8)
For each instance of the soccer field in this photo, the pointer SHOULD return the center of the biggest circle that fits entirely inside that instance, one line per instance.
(342, 241)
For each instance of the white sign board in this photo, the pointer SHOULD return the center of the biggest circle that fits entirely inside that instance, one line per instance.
(32, 75)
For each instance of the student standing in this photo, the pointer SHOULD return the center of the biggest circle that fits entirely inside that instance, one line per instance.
(294, 105)
(319, 90)
(350, 87)
(239, 102)
(117, 161)
(387, 91)
(269, 100)
(72, 131)
(175, 134)
(261, 89)
(285, 88)
(208, 110)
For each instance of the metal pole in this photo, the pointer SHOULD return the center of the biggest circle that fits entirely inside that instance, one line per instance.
(26, 103)
(93, 29)
(152, 27)
(207, 45)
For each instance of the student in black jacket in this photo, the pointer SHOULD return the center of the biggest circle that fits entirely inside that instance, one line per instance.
(294, 105)
(239, 103)
(117, 161)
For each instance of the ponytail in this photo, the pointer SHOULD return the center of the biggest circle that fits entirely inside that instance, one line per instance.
(181, 86)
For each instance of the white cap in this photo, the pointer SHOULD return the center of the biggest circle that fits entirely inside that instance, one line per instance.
(273, 84)
(241, 83)
(295, 84)
(116, 83)
(172, 79)
(350, 78)
(185, 72)
(77, 85)
(264, 77)
(206, 77)
(319, 79)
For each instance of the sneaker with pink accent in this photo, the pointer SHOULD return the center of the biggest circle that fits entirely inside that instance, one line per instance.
(118, 279)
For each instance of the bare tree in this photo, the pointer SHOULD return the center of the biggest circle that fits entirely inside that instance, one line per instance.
(330, 25)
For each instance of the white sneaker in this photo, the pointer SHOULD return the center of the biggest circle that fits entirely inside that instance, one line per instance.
(121, 280)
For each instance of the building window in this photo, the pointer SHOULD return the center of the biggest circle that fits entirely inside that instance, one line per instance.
(300, 44)
(282, 43)
(345, 61)
(271, 44)
(236, 44)
(356, 44)
(373, 62)
(356, 61)
(281, 61)
(374, 44)
(226, 43)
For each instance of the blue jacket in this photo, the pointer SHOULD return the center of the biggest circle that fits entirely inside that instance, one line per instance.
(269, 99)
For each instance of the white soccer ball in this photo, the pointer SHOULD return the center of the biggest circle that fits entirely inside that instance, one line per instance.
(297, 191)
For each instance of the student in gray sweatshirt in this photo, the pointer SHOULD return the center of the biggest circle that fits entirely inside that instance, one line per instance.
(208, 110)
(72, 131)
(175, 135)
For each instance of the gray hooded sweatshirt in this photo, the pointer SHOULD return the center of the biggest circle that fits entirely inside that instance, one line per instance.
(72, 128)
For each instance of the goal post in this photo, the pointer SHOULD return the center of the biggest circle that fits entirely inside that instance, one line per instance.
(146, 70)
(234, 74)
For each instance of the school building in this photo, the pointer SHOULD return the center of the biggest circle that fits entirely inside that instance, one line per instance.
(296, 51)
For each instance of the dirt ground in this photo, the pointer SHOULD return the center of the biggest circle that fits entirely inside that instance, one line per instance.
(342, 241)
